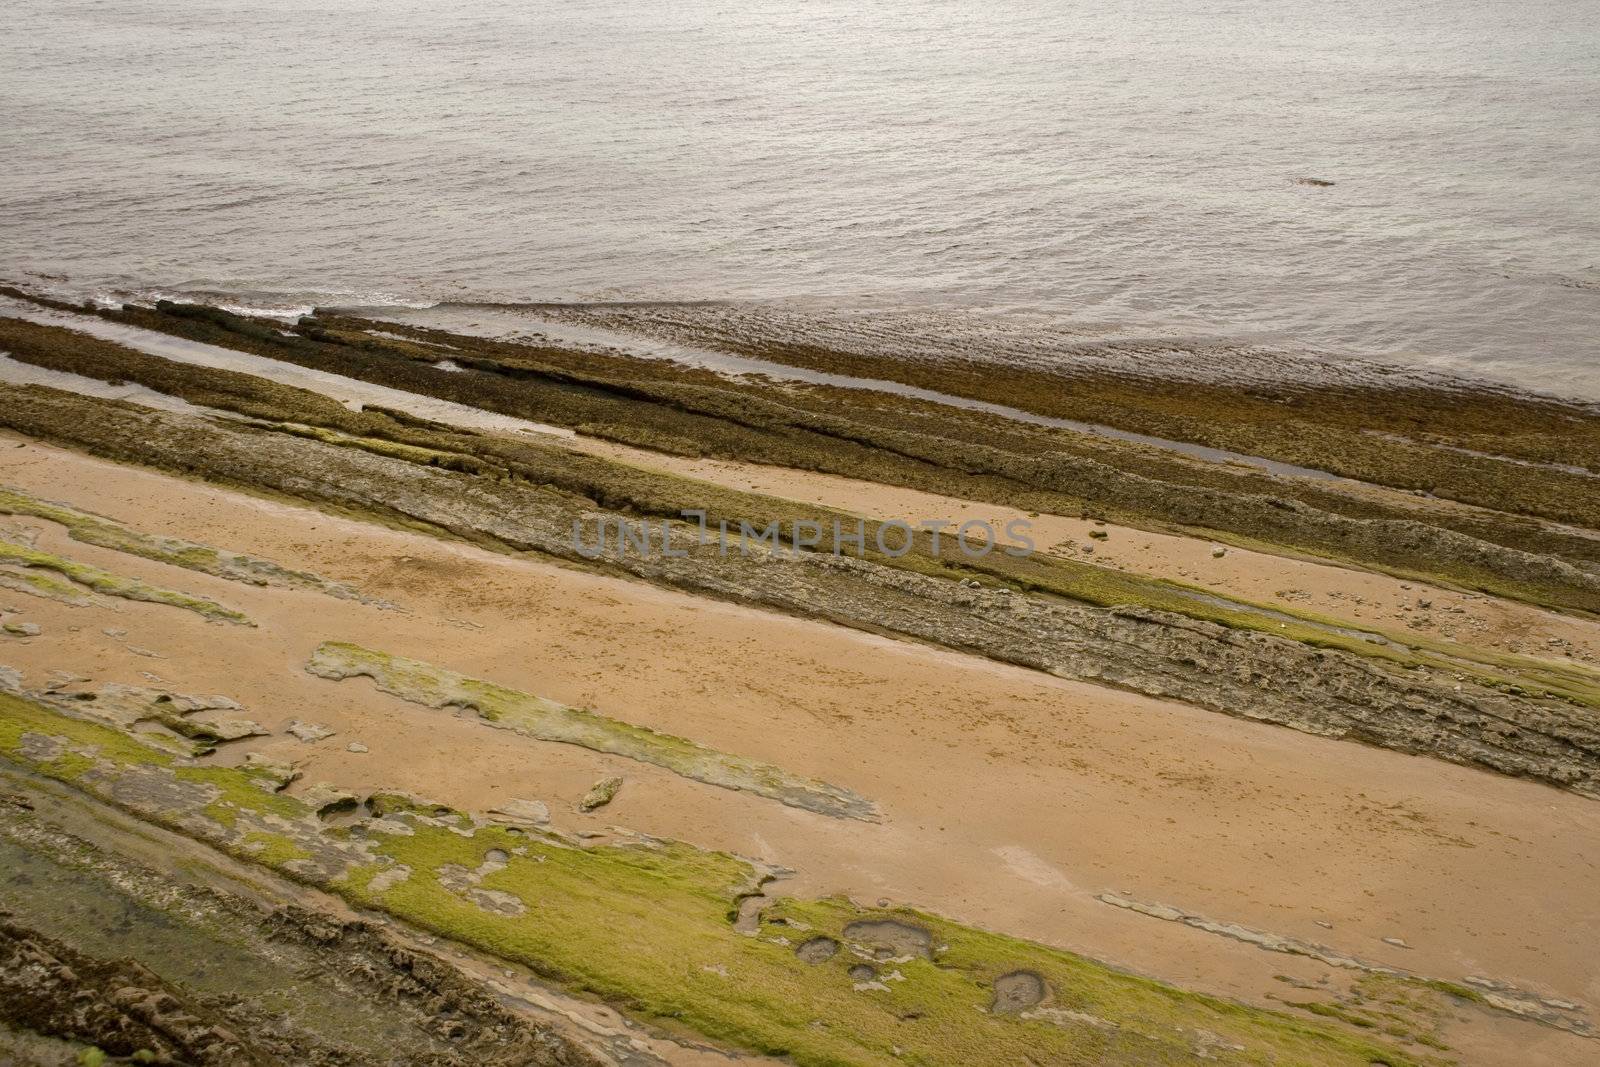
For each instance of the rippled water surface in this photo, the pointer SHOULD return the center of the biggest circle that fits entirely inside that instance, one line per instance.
(1121, 166)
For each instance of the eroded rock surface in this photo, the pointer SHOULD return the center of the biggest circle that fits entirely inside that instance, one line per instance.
(1245, 673)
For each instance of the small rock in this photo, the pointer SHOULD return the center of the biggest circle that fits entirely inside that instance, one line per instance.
(533, 811)
(234, 729)
(23, 629)
(355, 746)
(308, 731)
(61, 679)
(270, 774)
(1099, 535)
(600, 794)
(146, 652)
(326, 799)
(1325, 924)
(1218, 552)
(112, 631)
(1396, 942)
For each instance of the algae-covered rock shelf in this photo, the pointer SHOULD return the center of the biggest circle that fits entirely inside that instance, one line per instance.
(546, 720)
(651, 924)
(345, 720)
(1497, 541)
(1361, 691)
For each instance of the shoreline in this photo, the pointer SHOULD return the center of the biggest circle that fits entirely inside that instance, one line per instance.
(1100, 712)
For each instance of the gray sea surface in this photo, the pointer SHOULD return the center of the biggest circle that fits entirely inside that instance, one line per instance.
(1095, 170)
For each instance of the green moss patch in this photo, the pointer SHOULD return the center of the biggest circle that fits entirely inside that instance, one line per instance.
(649, 925)
(101, 581)
(107, 533)
(877, 437)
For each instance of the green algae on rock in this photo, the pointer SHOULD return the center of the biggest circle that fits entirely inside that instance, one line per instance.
(1237, 671)
(546, 720)
(175, 722)
(659, 405)
(45, 585)
(138, 944)
(648, 925)
(102, 532)
(600, 794)
(101, 581)
(273, 407)
(1475, 441)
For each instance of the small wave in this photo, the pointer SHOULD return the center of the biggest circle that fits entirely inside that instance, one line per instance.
(278, 304)
(580, 305)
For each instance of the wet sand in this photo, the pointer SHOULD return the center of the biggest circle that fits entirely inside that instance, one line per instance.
(1011, 799)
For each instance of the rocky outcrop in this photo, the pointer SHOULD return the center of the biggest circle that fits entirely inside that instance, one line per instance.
(1247, 674)
(546, 720)
(282, 983)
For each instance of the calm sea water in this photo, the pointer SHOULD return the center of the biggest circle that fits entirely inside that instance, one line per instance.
(1124, 165)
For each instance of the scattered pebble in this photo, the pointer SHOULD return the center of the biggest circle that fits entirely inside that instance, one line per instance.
(355, 746)
(61, 679)
(1396, 942)
(1218, 552)
(23, 629)
(600, 794)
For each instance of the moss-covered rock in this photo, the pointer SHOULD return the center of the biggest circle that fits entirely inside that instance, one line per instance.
(546, 720)
(649, 925)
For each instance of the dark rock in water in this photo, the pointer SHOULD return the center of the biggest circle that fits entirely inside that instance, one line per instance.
(1321, 183)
